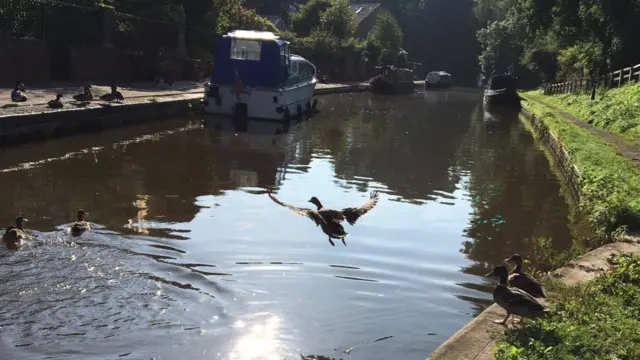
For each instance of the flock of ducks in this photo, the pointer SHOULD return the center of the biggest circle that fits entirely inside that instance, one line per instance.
(18, 95)
(516, 292)
(14, 235)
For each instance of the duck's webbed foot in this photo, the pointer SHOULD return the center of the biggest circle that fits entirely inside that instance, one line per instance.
(345, 244)
(503, 321)
(331, 241)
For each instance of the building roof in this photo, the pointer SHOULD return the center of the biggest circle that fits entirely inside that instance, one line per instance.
(363, 9)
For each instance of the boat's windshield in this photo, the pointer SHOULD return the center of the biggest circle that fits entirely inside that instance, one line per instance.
(245, 49)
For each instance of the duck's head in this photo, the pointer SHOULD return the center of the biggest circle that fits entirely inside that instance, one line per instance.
(19, 221)
(314, 200)
(58, 96)
(516, 259)
(87, 88)
(499, 271)
(82, 214)
(19, 85)
(114, 88)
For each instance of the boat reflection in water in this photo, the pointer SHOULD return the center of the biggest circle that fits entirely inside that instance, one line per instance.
(254, 152)
(500, 117)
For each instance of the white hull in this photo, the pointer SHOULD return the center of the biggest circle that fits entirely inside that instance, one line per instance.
(262, 103)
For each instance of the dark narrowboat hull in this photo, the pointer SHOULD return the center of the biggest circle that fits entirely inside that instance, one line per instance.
(438, 85)
(501, 99)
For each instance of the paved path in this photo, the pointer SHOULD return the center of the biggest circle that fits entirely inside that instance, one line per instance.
(627, 149)
(133, 93)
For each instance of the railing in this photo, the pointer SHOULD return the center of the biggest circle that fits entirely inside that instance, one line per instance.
(604, 82)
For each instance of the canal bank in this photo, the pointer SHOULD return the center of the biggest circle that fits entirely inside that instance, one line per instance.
(572, 147)
(36, 121)
(476, 340)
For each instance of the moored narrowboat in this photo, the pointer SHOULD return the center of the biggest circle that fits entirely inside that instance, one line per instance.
(256, 76)
(502, 91)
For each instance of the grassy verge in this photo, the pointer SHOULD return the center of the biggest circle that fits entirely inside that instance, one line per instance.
(617, 110)
(599, 320)
(609, 183)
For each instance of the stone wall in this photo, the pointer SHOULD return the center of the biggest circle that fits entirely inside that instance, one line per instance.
(99, 63)
(561, 157)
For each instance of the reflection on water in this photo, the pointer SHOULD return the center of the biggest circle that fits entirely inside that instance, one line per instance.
(189, 258)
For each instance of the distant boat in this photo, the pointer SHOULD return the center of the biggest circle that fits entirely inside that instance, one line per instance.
(393, 80)
(437, 80)
(501, 91)
(256, 76)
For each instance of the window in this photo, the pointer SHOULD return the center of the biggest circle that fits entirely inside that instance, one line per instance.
(283, 55)
(245, 49)
(306, 71)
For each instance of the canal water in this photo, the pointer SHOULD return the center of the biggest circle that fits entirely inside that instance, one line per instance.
(190, 259)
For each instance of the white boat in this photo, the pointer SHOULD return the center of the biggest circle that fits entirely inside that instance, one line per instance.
(256, 76)
(437, 80)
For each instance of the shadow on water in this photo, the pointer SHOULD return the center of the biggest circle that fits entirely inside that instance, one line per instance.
(189, 257)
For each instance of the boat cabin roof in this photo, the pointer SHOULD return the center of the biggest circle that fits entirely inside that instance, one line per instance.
(441, 73)
(503, 81)
(252, 35)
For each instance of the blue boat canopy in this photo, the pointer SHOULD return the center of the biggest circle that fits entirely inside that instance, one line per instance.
(255, 58)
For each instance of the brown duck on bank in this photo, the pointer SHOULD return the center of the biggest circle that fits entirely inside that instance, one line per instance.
(80, 226)
(514, 300)
(56, 103)
(113, 95)
(15, 234)
(86, 95)
(522, 281)
(329, 220)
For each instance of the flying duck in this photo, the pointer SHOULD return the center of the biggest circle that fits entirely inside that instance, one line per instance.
(329, 220)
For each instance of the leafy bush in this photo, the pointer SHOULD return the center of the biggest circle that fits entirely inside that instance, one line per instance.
(309, 16)
(338, 20)
(599, 320)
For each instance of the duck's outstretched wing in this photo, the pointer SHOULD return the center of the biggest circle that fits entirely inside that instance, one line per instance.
(352, 214)
(311, 214)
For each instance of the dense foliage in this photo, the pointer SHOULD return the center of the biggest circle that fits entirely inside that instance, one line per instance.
(596, 321)
(558, 39)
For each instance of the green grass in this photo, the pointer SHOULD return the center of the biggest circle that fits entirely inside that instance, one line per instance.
(609, 183)
(616, 111)
(599, 320)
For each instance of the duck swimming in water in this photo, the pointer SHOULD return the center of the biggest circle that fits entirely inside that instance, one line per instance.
(13, 235)
(329, 220)
(84, 96)
(522, 281)
(56, 103)
(17, 95)
(514, 300)
(80, 226)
